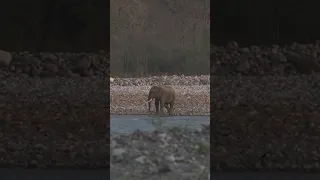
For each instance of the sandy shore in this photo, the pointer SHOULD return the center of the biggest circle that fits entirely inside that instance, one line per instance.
(131, 100)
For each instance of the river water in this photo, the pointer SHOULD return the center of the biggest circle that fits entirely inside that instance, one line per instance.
(127, 124)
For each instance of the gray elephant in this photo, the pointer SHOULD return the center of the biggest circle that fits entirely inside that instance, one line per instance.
(164, 96)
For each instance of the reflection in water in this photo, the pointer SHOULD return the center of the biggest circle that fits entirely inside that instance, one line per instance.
(128, 124)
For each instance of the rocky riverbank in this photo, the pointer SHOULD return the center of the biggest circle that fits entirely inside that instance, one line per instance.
(57, 64)
(265, 123)
(129, 95)
(172, 154)
(256, 60)
(265, 101)
(58, 123)
(131, 100)
(203, 80)
(294, 59)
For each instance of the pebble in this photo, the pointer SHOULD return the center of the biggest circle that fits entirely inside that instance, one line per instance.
(174, 80)
(132, 100)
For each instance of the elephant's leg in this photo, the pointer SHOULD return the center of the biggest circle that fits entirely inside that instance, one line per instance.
(161, 107)
(167, 107)
(171, 108)
(156, 103)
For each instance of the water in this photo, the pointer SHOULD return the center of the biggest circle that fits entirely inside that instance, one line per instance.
(127, 124)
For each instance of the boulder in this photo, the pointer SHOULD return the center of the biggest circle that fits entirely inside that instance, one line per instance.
(5, 58)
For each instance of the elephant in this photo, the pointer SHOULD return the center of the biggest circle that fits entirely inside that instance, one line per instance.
(164, 96)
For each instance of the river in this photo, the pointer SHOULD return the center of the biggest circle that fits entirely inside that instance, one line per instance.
(127, 124)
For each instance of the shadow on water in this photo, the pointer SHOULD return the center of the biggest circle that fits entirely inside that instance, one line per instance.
(127, 124)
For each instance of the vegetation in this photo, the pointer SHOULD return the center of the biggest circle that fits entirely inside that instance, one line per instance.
(147, 37)
(156, 37)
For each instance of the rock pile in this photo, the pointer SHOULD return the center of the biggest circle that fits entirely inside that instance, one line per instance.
(265, 60)
(265, 123)
(50, 64)
(265, 117)
(58, 122)
(5, 58)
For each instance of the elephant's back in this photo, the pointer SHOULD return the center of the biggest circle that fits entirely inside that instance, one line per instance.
(169, 88)
(171, 92)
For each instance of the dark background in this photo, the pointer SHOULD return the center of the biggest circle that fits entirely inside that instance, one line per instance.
(54, 25)
(264, 22)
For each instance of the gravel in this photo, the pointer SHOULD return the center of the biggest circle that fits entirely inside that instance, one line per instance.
(59, 64)
(173, 80)
(131, 100)
(172, 154)
(265, 101)
(232, 91)
(265, 123)
(275, 60)
(265, 104)
(58, 123)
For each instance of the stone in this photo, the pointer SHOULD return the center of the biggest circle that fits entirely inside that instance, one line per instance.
(50, 67)
(304, 65)
(243, 66)
(84, 64)
(5, 58)
(141, 159)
